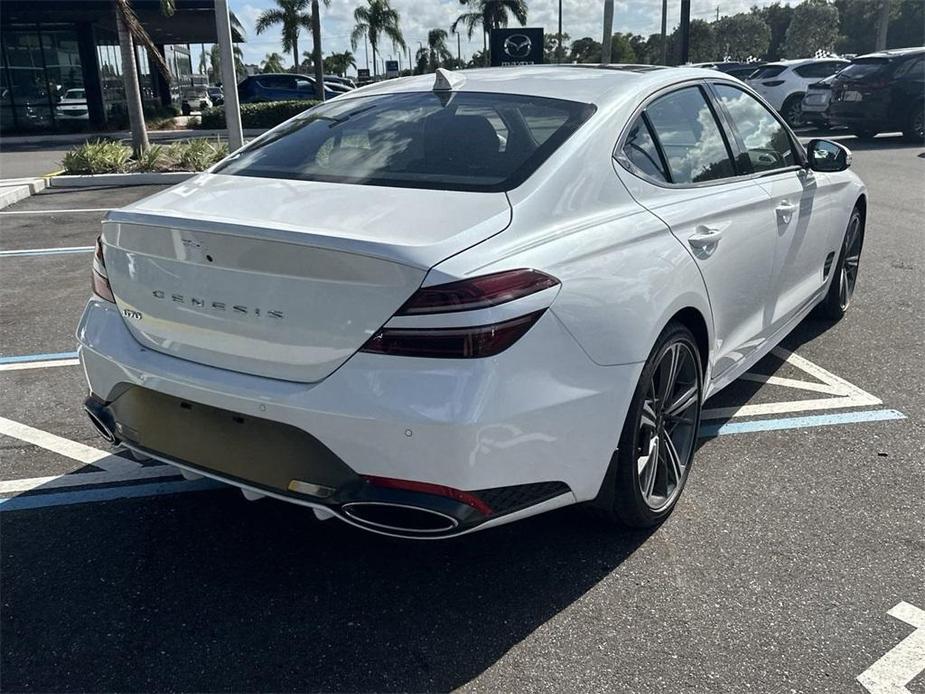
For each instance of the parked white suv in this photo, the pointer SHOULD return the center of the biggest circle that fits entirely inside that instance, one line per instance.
(784, 83)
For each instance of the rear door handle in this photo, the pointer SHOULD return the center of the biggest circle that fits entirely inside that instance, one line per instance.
(704, 237)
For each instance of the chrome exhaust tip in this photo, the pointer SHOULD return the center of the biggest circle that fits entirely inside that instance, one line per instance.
(399, 518)
(100, 423)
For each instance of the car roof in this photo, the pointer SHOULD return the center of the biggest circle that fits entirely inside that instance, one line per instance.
(593, 84)
(894, 52)
(797, 62)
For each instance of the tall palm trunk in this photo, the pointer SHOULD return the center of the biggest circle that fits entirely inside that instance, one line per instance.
(316, 53)
(295, 55)
(136, 116)
(375, 62)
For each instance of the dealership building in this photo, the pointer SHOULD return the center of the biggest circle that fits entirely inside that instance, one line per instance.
(62, 68)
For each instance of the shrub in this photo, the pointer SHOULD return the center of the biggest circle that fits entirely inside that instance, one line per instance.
(264, 115)
(196, 155)
(107, 156)
(99, 156)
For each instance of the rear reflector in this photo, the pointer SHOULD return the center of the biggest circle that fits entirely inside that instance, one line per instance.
(478, 292)
(428, 488)
(468, 342)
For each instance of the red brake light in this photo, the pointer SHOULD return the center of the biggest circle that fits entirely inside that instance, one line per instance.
(100, 280)
(476, 293)
(428, 488)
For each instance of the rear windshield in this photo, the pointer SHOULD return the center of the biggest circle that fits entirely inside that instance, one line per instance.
(864, 67)
(460, 141)
(767, 71)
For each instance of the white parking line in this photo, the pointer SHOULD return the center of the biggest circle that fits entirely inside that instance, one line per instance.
(62, 446)
(39, 364)
(73, 211)
(903, 662)
(85, 478)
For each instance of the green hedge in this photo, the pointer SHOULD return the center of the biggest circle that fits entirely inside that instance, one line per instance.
(265, 115)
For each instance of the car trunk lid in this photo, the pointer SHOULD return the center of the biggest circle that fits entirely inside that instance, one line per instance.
(284, 279)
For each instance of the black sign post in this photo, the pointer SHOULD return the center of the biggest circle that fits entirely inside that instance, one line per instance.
(363, 75)
(510, 47)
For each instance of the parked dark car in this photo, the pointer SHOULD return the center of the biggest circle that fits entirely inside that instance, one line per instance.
(880, 92)
(217, 96)
(280, 87)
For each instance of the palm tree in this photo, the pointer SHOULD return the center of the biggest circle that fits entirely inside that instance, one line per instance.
(292, 15)
(130, 31)
(338, 63)
(273, 63)
(316, 41)
(373, 20)
(437, 49)
(490, 14)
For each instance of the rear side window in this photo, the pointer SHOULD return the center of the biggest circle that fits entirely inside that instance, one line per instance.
(690, 137)
(640, 152)
(276, 82)
(818, 69)
(864, 67)
(767, 72)
(461, 141)
(767, 144)
(914, 68)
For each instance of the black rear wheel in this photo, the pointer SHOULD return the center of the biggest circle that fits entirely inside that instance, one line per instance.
(792, 110)
(657, 444)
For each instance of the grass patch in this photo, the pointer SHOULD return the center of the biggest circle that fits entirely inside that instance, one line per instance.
(108, 156)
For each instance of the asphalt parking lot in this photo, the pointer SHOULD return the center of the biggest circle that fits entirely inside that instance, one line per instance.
(802, 526)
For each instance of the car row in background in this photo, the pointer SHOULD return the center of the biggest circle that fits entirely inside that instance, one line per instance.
(288, 87)
(881, 92)
(784, 83)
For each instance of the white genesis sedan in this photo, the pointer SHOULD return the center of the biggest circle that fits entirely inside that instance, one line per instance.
(442, 303)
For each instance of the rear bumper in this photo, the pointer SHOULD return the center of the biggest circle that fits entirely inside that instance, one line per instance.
(540, 413)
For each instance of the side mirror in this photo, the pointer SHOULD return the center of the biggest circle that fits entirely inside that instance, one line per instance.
(825, 155)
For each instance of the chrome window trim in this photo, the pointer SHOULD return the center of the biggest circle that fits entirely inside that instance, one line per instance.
(727, 130)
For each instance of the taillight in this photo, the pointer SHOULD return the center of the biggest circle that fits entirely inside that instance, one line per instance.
(463, 341)
(100, 279)
(476, 293)
(773, 83)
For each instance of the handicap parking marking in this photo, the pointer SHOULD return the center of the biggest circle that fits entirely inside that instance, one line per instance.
(27, 252)
(709, 430)
(902, 663)
(20, 362)
(842, 394)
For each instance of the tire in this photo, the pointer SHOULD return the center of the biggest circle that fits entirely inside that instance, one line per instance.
(641, 497)
(792, 110)
(915, 125)
(864, 134)
(845, 274)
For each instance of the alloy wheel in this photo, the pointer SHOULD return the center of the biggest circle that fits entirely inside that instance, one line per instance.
(667, 427)
(794, 113)
(918, 124)
(851, 252)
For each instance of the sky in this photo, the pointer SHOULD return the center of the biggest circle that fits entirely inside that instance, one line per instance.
(579, 18)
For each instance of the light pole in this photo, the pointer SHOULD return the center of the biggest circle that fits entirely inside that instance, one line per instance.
(607, 43)
(229, 79)
(559, 36)
(685, 31)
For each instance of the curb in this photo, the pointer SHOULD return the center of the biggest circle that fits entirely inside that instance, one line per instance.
(17, 189)
(129, 179)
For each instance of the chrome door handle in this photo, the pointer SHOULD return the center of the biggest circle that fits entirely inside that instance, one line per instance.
(785, 211)
(704, 237)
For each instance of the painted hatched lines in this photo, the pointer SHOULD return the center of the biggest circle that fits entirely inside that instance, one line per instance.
(62, 446)
(842, 394)
(902, 663)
